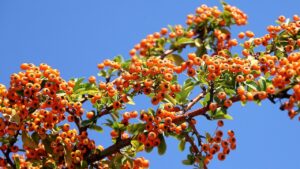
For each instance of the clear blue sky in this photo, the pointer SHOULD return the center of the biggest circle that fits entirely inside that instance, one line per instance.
(73, 36)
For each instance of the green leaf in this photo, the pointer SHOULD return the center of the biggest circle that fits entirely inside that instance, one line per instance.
(28, 141)
(207, 136)
(85, 123)
(181, 145)
(198, 43)
(119, 59)
(252, 85)
(117, 126)
(187, 162)
(185, 40)
(68, 157)
(230, 92)
(83, 164)
(135, 143)
(262, 84)
(177, 59)
(36, 138)
(97, 128)
(130, 100)
(47, 144)
(148, 149)
(162, 147)
(267, 75)
(15, 118)
(88, 92)
(102, 73)
(78, 81)
(221, 113)
(223, 116)
(170, 99)
(188, 86)
(136, 128)
(17, 162)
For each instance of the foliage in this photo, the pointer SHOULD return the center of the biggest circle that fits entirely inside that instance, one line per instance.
(45, 112)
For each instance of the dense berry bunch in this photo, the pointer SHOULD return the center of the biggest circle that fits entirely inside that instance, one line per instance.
(44, 121)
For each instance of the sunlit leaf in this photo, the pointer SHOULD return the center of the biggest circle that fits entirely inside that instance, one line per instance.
(162, 147)
(177, 59)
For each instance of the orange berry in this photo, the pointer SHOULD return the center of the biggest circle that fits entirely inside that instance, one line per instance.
(172, 35)
(132, 52)
(230, 133)
(92, 79)
(221, 156)
(221, 95)
(249, 34)
(90, 115)
(213, 106)
(114, 134)
(164, 31)
(100, 66)
(66, 127)
(220, 123)
(227, 103)
(241, 35)
(152, 135)
(133, 114)
(145, 163)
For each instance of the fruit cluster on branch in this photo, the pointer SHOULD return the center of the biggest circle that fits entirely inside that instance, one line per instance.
(45, 114)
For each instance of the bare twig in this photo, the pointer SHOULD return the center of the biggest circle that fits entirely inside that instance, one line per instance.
(194, 101)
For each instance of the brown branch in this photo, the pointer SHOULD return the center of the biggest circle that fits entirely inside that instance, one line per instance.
(77, 120)
(195, 131)
(109, 151)
(6, 154)
(10, 162)
(167, 52)
(201, 111)
(191, 141)
(194, 101)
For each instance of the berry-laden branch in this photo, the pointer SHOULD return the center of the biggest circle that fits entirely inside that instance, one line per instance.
(41, 106)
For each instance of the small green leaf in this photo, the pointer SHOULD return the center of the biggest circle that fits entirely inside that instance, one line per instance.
(177, 59)
(252, 85)
(208, 136)
(28, 141)
(130, 100)
(170, 99)
(181, 145)
(184, 40)
(17, 162)
(135, 143)
(187, 162)
(262, 84)
(223, 116)
(83, 164)
(36, 138)
(68, 157)
(148, 149)
(136, 128)
(198, 43)
(119, 59)
(78, 81)
(230, 92)
(162, 147)
(97, 128)
(102, 73)
(85, 123)
(15, 118)
(47, 144)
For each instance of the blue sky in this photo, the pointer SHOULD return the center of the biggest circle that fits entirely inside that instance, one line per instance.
(73, 36)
